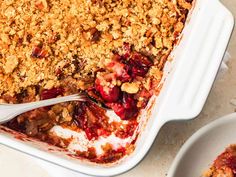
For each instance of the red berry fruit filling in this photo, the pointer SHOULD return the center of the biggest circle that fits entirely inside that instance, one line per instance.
(138, 65)
(38, 52)
(127, 130)
(108, 93)
(127, 50)
(90, 118)
(120, 70)
(51, 93)
(79, 115)
(91, 133)
(127, 108)
(141, 59)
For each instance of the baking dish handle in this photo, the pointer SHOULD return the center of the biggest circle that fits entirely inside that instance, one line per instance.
(196, 69)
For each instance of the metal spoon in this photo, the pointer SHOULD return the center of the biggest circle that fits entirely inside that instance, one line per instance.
(9, 111)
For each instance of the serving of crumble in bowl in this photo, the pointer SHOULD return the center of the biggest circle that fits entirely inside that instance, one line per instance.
(210, 147)
(115, 51)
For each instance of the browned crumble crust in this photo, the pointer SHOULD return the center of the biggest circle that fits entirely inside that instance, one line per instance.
(79, 37)
(113, 50)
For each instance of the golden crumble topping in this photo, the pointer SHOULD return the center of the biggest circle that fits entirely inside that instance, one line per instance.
(41, 39)
(113, 52)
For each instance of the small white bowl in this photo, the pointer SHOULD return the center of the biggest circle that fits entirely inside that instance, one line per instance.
(202, 148)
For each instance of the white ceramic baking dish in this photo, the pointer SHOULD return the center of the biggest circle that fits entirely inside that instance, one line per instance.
(187, 81)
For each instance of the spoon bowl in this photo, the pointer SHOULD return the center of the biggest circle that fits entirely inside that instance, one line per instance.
(9, 111)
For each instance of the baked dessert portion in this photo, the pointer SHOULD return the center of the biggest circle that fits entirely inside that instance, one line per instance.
(114, 51)
(225, 164)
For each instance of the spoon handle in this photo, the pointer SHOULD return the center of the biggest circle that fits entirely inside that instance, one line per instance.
(9, 111)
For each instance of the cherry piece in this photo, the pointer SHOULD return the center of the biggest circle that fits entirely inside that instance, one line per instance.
(121, 70)
(108, 93)
(38, 52)
(51, 93)
(127, 108)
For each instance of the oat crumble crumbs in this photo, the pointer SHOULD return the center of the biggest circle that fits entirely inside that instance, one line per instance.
(113, 50)
(79, 37)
